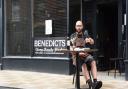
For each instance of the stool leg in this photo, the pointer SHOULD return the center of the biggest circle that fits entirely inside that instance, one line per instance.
(120, 67)
(109, 67)
(115, 70)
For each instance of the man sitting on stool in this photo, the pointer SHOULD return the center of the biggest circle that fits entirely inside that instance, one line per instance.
(82, 39)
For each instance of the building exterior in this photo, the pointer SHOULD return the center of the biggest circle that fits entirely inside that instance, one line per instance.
(28, 27)
(23, 29)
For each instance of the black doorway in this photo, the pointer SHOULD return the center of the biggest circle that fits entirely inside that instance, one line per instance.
(107, 31)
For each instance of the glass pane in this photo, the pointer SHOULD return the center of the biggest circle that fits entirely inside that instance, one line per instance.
(18, 27)
(55, 10)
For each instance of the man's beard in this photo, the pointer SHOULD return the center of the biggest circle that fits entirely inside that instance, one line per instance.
(79, 31)
(79, 34)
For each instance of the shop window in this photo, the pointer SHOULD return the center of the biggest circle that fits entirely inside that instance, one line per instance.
(55, 10)
(26, 19)
(18, 27)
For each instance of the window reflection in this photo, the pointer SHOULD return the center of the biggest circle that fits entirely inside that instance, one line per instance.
(18, 27)
(15, 10)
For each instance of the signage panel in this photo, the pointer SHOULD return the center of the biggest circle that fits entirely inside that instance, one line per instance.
(50, 47)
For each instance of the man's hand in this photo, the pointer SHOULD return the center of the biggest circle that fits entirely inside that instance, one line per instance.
(89, 40)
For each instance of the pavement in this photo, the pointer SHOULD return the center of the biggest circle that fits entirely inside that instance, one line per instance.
(38, 80)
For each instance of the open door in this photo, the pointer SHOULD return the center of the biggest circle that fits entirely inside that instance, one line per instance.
(107, 31)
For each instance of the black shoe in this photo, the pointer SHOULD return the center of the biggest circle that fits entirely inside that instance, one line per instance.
(97, 85)
(89, 82)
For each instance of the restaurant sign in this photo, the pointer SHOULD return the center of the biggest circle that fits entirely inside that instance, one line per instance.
(50, 46)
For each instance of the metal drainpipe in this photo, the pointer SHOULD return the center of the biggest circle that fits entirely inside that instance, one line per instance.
(126, 61)
(126, 29)
(81, 9)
